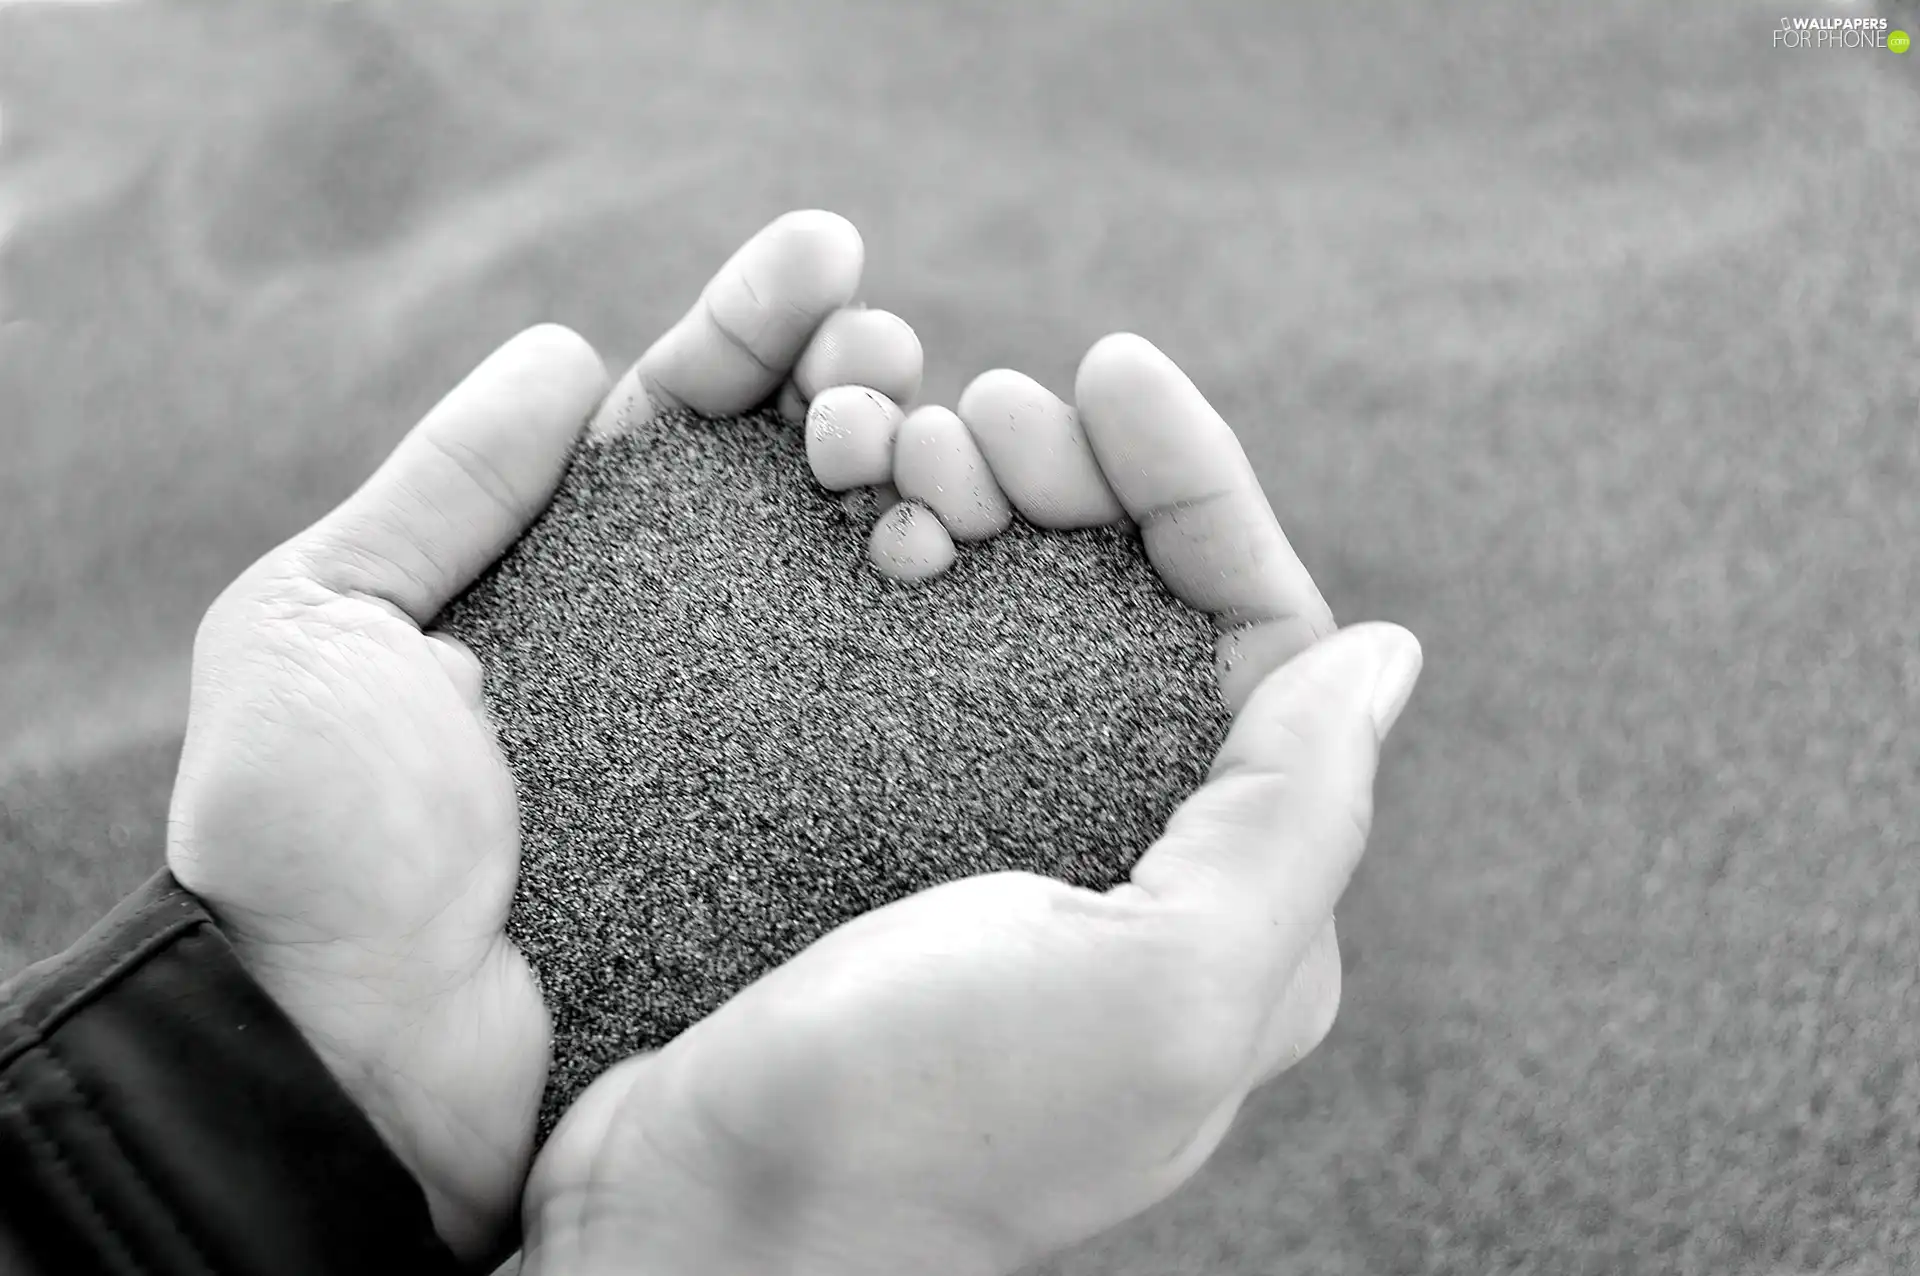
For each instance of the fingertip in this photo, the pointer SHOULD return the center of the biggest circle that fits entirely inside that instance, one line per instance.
(1036, 449)
(997, 403)
(1362, 673)
(1111, 361)
(937, 463)
(1399, 660)
(1148, 424)
(1386, 643)
(825, 229)
(1246, 655)
(909, 544)
(739, 341)
(821, 256)
(1184, 479)
(565, 360)
(874, 348)
(850, 436)
(994, 390)
(1389, 637)
(908, 355)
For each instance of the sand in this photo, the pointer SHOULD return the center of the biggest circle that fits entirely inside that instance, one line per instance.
(730, 734)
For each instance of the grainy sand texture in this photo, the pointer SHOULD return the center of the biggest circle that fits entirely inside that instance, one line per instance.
(730, 734)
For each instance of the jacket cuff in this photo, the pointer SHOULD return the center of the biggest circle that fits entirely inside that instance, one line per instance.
(160, 1114)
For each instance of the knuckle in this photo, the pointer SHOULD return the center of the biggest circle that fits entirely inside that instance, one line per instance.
(480, 472)
(273, 587)
(743, 337)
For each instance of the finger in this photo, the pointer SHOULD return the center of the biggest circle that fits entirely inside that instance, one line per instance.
(1261, 853)
(1182, 476)
(793, 408)
(465, 482)
(936, 462)
(861, 347)
(740, 340)
(1305, 1012)
(1038, 452)
(908, 544)
(864, 506)
(850, 435)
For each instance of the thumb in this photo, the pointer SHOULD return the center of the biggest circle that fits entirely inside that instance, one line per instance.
(1266, 847)
(465, 482)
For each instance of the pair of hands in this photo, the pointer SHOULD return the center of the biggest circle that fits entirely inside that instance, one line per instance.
(964, 1081)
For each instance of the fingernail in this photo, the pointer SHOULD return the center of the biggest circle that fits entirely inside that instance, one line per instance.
(1399, 670)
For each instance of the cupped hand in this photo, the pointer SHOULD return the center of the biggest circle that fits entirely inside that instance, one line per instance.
(341, 804)
(978, 1075)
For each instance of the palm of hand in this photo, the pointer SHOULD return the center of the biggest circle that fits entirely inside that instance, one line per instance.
(976, 1075)
(342, 806)
(368, 898)
(969, 1079)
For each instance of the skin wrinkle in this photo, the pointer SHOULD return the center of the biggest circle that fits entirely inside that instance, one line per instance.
(484, 474)
(296, 691)
(754, 303)
(658, 399)
(313, 696)
(343, 566)
(738, 341)
(410, 490)
(1153, 514)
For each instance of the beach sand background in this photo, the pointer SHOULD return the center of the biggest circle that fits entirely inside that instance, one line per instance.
(1579, 339)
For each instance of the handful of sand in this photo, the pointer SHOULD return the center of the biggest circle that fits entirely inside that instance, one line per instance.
(730, 734)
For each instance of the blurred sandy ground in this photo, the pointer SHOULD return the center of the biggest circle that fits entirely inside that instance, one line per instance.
(1578, 338)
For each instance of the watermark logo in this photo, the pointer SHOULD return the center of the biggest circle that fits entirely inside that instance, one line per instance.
(1840, 33)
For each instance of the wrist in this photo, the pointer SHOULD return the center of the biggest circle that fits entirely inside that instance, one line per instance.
(469, 1205)
(169, 1084)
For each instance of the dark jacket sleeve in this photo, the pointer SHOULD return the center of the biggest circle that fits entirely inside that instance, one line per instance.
(160, 1115)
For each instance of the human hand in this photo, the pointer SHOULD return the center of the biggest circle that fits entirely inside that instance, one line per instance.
(978, 1075)
(342, 806)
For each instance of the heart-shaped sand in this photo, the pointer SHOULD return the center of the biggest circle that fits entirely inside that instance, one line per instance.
(731, 735)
